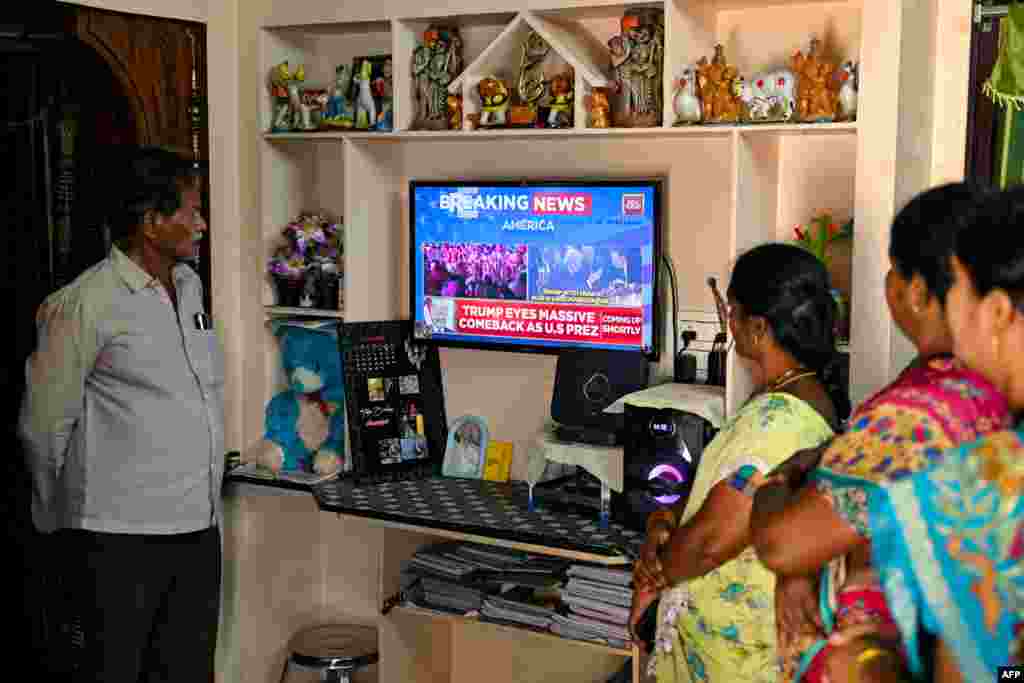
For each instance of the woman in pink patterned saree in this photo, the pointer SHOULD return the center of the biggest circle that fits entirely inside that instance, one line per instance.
(821, 534)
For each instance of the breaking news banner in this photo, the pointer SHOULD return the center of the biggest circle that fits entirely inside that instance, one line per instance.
(550, 322)
(1011, 673)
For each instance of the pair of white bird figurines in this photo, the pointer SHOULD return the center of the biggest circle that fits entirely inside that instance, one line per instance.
(765, 93)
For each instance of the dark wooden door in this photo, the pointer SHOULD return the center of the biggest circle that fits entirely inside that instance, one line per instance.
(161, 66)
(153, 60)
(983, 117)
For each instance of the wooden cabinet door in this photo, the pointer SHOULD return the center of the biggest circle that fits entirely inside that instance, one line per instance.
(154, 59)
(161, 65)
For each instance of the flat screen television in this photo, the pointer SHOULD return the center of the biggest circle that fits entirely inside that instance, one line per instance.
(536, 265)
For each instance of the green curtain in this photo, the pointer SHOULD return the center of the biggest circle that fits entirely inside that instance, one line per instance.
(1009, 152)
(1005, 86)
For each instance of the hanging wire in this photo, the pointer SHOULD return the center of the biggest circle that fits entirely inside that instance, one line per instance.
(193, 106)
(667, 260)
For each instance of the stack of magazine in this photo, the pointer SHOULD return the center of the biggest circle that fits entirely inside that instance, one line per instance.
(494, 584)
(514, 588)
(521, 612)
(598, 601)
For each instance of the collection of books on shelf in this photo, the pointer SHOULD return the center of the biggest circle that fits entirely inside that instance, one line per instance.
(597, 601)
(520, 589)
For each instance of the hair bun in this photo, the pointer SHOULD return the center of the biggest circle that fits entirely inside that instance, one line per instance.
(790, 288)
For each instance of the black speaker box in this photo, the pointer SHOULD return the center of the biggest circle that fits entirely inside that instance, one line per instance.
(588, 381)
(662, 450)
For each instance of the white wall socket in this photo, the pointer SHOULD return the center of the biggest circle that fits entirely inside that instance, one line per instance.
(705, 323)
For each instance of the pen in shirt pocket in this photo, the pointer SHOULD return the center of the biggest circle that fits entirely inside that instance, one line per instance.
(203, 321)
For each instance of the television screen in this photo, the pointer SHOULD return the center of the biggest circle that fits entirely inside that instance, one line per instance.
(536, 266)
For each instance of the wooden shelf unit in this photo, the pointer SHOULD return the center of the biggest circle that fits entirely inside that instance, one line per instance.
(718, 130)
(753, 179)
(728, 188)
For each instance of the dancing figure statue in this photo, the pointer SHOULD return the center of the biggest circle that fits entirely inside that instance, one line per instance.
(637, 59)
(435, 64)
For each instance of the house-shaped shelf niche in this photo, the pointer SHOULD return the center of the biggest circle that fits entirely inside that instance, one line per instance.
(587, 58)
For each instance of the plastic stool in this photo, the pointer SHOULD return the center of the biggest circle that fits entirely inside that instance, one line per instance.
(330, 653)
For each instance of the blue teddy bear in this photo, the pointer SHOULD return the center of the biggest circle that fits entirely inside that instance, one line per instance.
(305, 424)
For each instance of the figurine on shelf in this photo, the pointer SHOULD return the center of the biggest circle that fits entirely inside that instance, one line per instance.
(686, 104)
(454, 112)
(717, 91)
(600, 108)
(561, 106)
(295, 103)
(849, 77)
(422, 87)
(531, 86)
(817, 96)
(366, 107)
(371, 92)
(637, 54)
(384, 90)
(493, 102)
(618, 49)
(340, 112)
(313, 103)
(767, 97)
(278, 83)
(284, 88)
(435, 64)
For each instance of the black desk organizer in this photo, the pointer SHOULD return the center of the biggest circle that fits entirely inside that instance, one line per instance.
(394, 402)
(483, 508)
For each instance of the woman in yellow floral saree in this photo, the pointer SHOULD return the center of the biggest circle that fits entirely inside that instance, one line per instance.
(716, 616)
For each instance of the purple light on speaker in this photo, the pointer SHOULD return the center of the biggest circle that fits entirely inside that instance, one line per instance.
(666, 472)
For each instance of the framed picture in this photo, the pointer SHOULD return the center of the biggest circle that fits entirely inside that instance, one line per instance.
(466, 451)
(372, 92)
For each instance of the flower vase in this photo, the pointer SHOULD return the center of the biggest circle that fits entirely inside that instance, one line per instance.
(289, 290)
(327, 291)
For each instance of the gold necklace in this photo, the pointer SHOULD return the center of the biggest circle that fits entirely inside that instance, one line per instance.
(788, 377)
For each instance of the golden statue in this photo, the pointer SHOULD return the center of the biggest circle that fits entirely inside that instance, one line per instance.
(454, 112)
(531, 85)
(817, 91)
(719, 101)
(600, 108)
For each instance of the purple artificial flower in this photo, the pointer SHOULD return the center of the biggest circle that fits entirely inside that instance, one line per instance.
(313, 240)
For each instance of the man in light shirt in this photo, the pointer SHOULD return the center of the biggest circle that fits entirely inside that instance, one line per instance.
(122, 421)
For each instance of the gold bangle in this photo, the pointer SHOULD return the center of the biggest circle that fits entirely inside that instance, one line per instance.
(866, 657)
(661, 515)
